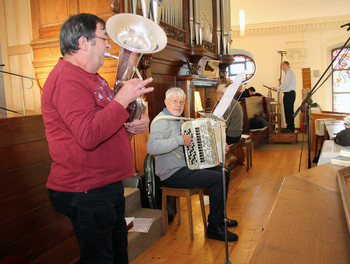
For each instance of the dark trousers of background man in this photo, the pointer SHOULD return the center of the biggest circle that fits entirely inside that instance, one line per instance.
(288, 103)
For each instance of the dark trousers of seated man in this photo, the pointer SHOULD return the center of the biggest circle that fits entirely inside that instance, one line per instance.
(288, 104)
(212, 179)
(98, 220)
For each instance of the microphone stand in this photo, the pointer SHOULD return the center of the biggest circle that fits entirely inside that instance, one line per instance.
(309, 100)
(227, 261)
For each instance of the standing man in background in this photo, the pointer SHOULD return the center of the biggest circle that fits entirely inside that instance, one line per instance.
(288, 88)
(89, 142)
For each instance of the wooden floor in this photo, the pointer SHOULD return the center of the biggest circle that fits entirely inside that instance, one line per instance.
(251, 197)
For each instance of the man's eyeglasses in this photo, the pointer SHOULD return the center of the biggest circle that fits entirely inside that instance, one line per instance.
(177, 102)
(105, 39)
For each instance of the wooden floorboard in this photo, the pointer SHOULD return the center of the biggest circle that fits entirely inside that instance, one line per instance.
(251, 197)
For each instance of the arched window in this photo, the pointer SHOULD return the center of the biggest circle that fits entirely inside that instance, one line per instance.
(341, 80)
(241, 63)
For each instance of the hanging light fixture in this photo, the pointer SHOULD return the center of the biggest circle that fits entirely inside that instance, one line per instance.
(241, 22)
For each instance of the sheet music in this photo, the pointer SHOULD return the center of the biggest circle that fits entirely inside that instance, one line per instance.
(228, 95)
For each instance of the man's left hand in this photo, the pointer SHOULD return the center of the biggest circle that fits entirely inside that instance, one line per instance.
(138, 126)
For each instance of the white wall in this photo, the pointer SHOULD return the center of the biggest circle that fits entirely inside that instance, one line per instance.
(308, 43)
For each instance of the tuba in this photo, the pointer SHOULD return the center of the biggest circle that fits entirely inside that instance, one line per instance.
(136, 35)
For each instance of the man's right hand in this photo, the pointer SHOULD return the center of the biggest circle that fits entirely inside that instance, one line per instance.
(187, 139)
(131, 90)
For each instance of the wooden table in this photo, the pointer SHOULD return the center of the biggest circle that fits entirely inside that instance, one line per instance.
(307, 223)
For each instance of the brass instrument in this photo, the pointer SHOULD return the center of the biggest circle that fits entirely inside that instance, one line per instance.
(136, 35)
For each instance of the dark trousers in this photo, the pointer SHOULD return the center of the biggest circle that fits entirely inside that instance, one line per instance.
(98, 220)
(231, 140)
(206, 178)
(288, 103)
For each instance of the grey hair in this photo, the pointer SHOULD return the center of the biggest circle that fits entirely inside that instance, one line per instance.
(174, 91)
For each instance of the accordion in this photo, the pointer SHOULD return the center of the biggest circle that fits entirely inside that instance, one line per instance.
(203, 151)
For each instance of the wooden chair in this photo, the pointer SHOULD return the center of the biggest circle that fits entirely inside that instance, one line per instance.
(248, 145)
(182, 193)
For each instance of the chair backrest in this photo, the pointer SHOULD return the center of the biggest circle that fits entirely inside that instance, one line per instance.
(154, 193)
(152, 183)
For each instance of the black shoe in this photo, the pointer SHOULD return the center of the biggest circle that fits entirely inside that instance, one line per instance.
(287, 131)
(217, 231)
(231, 223)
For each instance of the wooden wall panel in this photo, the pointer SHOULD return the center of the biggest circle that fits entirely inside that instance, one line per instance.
(52, 12)
(99, 8)
(17, 14)
(15, 37)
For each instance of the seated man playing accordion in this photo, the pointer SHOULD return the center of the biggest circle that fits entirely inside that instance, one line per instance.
(166, 142)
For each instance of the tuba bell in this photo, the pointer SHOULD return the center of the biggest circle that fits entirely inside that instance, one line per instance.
(136, 35)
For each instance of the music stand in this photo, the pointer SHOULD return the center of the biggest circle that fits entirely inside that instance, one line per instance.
(217, 115)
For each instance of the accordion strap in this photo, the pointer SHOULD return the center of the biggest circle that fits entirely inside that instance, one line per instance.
(169, 117)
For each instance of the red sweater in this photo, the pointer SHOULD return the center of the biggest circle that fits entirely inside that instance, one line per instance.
(88, 142)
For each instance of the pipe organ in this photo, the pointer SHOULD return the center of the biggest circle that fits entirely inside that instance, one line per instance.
(200, 20)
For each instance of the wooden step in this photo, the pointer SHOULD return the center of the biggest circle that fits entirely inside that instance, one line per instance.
(139, 242)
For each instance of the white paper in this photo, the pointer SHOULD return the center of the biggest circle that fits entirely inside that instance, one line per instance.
(229, 95)
(142, 225)
(198, 102)
(128, 220)
(244, 136)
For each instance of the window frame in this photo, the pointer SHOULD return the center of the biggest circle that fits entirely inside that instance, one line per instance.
(333, 74)
(247, 59)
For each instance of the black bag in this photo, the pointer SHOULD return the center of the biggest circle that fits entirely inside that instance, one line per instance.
(138, 181)
(153, 191)
(343, 137)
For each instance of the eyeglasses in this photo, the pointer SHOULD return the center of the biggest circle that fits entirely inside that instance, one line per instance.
(105, 39)
(177, 102)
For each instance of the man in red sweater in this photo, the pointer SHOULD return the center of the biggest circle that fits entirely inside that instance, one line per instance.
(89, 142)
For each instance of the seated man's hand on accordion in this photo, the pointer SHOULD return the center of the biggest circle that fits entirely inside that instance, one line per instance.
(187, 139)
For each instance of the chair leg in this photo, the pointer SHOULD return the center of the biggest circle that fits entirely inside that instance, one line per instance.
(251, 154)
(178, 210)
(189, 209)
(203, 209)
(164, 212)
(247, 156)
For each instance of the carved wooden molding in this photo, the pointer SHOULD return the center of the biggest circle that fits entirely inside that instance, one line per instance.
(173, 32)
(294, 25)
(211, 47)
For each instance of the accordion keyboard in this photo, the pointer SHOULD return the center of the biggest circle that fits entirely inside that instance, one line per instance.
(202, 152)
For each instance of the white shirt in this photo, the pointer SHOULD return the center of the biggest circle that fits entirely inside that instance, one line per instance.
(289, 82)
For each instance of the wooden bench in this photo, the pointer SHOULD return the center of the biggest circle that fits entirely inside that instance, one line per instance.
(30, 228)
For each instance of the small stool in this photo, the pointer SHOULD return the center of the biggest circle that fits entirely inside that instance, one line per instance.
(248, 145)
(182, 193)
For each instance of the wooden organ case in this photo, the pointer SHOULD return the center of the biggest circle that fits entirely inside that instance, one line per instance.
(193, 36)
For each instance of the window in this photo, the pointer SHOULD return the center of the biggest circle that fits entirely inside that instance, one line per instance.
(241, 63)
(341, 80)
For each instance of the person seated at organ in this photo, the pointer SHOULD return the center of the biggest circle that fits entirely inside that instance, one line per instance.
(166, 143)
(248, 92)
